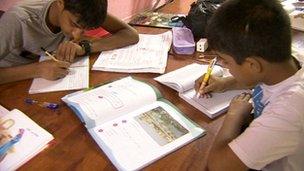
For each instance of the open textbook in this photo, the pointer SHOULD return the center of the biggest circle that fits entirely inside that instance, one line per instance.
(132, 123)
(182, 80)
(78, 78)
(148, 55)
(32, 139)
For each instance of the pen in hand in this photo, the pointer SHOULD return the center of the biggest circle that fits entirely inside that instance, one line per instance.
(206, 77)
(49, 54)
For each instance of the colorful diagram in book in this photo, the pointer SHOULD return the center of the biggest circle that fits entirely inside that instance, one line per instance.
(26, 139)
(156, 19)
(7, 140)
(161, 126)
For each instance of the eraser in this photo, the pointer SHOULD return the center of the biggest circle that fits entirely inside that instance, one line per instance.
(201, 45)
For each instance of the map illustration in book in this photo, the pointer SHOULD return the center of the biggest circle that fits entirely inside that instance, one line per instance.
(161, 126)
(156, 19)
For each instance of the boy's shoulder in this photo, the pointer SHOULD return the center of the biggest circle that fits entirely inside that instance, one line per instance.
(28, 9)
(288, 100)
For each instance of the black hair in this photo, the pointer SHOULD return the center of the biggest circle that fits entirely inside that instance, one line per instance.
(244, 28)
(91, 13)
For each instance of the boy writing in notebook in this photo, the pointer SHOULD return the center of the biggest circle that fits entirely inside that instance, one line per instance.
(56, 25)
(253, 40)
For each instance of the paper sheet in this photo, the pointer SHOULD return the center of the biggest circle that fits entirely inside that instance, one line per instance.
(148, 55)
(78, 78)
(3, 111)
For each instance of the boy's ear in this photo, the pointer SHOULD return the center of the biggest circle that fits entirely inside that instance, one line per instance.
(254, 64)
(60, 4)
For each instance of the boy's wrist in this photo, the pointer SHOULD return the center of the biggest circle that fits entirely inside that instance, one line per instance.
(86, 47)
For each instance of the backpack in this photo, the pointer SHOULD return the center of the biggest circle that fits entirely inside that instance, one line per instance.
(199, 14)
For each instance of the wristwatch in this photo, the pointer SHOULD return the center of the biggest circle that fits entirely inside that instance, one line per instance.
(86, 46)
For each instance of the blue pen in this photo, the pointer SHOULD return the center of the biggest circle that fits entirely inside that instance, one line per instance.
(5, 147)
(48, 105)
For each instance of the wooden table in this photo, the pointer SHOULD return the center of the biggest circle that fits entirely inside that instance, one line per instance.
(74, 149)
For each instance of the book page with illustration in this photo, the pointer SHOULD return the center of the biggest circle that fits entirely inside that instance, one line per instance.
(109, 101)
(138, 138)
(31, 139)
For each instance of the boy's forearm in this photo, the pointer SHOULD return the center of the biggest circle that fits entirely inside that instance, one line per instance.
(230, 130)
(119, 39)
(220, 157)
(23, 72)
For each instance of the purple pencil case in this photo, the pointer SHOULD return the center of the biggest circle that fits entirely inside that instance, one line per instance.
(183, 41)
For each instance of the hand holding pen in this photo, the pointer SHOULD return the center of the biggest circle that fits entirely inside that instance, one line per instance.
(206, 77)
(52, 69)
(49, 54)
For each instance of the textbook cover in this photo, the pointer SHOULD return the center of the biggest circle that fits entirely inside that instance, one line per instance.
(157, 19)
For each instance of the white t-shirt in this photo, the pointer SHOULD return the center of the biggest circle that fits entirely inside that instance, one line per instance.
(275, 140)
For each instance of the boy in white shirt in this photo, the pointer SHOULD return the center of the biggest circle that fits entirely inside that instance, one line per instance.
(253, 40)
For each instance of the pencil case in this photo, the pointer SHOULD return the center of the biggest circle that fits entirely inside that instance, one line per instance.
(183, 41)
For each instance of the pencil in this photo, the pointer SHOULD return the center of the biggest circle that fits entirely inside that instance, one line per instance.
(207, 76)
(49, 54)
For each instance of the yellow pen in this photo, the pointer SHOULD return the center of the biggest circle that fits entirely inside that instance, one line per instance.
(49, 55)
(207, 76)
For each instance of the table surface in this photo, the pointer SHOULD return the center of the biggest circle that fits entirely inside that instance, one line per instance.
(74, 149)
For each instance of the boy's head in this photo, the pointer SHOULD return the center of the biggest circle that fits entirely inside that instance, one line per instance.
(81, 14)
(241, 30)
(91, 13)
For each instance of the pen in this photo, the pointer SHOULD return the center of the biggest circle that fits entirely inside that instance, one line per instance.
(207, 75)
(49, 55)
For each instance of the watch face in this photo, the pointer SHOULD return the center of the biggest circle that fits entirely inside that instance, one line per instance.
(86, 45)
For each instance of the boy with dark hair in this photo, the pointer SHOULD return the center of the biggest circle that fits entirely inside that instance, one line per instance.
(57, 26)
(253, 40)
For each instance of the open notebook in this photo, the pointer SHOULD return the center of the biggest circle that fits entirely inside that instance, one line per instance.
(148, 55)
(182, 80)
(33, 140)
(78, 78)
(132, 123)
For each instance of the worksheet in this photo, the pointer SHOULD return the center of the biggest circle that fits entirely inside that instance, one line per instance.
(148, 55)
(78, 78)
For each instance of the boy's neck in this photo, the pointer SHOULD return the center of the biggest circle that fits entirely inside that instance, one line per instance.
(52, 18)
(278, 72)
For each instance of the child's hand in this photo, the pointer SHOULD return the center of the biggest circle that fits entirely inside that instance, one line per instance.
(52, 70)
(215, 84)
(240, 105)
(68, 50)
